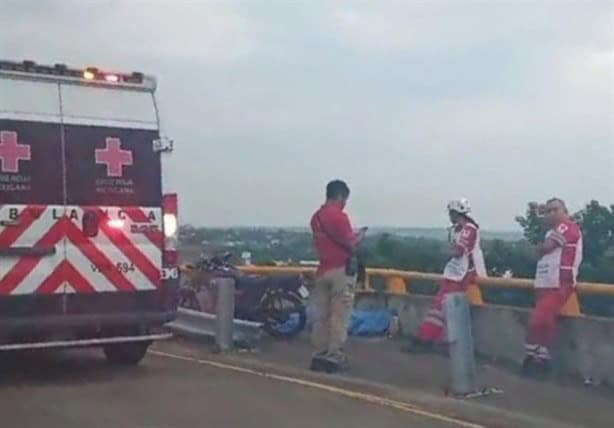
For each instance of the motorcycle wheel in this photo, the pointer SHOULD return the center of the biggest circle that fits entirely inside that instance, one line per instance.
(284, 315)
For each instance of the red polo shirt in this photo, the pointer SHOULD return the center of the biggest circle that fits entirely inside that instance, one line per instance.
(331, 218)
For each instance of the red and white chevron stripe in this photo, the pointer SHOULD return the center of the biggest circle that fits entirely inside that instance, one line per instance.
(117, 259)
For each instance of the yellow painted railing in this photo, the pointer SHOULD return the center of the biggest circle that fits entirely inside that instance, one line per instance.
(399, 282)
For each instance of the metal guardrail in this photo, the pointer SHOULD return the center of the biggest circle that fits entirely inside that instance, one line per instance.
(204, 325)
(399, 282)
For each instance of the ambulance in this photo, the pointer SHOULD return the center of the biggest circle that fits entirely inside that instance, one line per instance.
(88, 240)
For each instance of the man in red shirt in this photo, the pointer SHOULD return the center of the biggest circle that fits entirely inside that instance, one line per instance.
(333, 294)
(560, 256)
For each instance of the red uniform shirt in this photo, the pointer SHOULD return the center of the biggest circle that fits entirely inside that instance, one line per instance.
(466, 237)
(467, 240)
(560, 266)
(335, 253)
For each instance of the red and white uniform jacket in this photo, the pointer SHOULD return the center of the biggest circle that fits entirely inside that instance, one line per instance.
(472, 260)
(560, 266)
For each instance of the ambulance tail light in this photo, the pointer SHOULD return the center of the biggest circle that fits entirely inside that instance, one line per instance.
(171, 227)
(169, 295)
(169, 208)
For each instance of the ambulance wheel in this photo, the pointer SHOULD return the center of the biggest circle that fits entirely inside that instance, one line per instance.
(126, 354)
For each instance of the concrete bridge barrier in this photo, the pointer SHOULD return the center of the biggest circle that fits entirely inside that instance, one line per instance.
(585, 348)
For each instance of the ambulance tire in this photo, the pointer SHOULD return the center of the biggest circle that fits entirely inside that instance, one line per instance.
(126, 354)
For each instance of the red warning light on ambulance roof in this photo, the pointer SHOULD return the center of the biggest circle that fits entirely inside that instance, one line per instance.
(89, 73)
(113, 78)
(93, 74)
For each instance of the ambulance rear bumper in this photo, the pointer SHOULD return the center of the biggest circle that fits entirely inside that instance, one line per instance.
(142, 320)
(102, 341)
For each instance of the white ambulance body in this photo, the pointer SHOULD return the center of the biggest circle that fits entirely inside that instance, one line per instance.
(87, 239)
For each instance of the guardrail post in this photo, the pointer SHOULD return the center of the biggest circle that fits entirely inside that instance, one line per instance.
(474, 295)
(396, 285)
(572, 306)
(462, 359)
(225, 313)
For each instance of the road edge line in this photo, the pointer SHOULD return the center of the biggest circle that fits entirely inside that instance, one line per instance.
(369, 398)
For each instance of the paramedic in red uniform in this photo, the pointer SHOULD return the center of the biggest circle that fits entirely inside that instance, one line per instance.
(560, 256)
(465, 264)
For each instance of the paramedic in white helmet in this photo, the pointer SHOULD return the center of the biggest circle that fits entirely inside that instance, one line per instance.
(466, 262)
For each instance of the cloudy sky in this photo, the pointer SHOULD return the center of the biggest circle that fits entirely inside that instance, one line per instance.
(413, 103)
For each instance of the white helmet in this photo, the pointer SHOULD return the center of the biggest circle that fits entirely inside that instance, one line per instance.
(461, 206)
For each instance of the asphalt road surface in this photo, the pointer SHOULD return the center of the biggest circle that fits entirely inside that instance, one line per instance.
(77, 389)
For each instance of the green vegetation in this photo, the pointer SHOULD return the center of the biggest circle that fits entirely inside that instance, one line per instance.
(405, 250)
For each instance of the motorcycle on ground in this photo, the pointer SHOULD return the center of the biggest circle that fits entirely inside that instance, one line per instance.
(278, 302)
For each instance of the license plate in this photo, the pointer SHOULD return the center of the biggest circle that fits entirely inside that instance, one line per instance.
(303, 292)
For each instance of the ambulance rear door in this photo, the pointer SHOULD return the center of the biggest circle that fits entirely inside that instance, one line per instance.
(32, 256)
(113, 199)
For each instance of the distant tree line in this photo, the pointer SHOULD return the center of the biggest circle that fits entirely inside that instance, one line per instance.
(268, 246)
(426, 254)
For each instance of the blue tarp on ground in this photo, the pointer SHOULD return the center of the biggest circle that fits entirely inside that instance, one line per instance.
(362, 323)
(369, 323)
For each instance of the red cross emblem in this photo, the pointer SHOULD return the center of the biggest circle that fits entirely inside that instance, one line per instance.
(11, 152)
(114, 157)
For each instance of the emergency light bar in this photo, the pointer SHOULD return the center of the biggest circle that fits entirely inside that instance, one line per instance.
(88, 75)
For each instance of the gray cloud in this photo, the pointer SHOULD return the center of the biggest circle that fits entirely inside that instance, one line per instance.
(413, 103)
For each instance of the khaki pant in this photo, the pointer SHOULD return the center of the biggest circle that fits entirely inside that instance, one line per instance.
(333, 296)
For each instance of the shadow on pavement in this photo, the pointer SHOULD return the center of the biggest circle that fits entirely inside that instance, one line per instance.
(61, 367)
